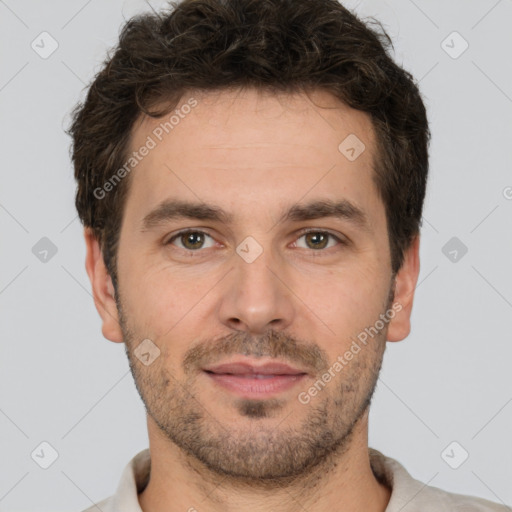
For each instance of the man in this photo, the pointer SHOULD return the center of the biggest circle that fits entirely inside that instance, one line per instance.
(251, 176)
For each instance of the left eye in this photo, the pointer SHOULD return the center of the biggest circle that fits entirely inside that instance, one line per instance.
(195, 240)
(318, 239)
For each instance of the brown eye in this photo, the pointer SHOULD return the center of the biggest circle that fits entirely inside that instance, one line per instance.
(190, 240)
(318, 240)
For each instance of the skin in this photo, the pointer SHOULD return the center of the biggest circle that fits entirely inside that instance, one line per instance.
(255, 155)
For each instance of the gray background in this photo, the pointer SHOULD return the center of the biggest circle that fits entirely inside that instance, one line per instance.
(62, 383)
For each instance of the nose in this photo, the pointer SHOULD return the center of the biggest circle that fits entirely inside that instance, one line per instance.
(256, 296)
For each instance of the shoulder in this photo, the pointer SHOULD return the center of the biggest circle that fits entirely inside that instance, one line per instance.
(461, 502)
(133, 479)
(411, 495)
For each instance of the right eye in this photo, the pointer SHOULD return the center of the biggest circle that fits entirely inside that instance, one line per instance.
(190, 240)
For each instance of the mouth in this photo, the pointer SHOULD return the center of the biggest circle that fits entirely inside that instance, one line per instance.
(257, 381)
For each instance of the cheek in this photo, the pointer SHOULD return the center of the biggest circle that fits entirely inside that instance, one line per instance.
(346, 301)
(163, 301)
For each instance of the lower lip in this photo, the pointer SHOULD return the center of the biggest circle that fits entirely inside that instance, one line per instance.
(250, 387)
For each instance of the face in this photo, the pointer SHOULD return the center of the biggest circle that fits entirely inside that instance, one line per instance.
(253, 255)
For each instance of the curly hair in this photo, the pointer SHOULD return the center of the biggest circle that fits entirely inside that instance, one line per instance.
(274, 45)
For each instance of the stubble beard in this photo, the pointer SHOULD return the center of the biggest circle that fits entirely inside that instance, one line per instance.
(264, 450)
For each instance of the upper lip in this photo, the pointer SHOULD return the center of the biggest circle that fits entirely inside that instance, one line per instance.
(246, 368)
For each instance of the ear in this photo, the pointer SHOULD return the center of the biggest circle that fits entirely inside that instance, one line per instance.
(405, 285)
(102, 289)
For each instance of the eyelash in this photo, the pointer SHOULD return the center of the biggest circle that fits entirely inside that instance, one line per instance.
(316, 252)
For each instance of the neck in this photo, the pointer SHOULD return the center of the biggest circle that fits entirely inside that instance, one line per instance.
(344, 482)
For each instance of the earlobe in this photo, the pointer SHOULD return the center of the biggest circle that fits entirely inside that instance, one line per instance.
(405, 285)
(102, 289)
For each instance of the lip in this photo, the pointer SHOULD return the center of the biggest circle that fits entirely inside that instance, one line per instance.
(248, 368)
(255, 380)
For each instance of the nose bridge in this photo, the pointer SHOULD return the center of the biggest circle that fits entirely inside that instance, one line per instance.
(255, 298)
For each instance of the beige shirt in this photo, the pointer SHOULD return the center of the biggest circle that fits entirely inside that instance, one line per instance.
(407, 495)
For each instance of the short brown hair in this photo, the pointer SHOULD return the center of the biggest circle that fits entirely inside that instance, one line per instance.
(276, 45)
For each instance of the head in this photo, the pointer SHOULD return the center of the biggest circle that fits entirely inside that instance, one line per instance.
(251, 178)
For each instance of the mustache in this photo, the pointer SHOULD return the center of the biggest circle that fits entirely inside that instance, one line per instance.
(272, 344)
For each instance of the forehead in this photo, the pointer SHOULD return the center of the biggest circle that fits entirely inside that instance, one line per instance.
(245, 147)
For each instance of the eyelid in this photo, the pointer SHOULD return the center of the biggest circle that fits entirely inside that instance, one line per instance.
(339, 238)
(342, 240)
(187, 230)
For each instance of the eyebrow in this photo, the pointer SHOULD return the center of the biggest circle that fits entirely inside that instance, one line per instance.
(178, 209)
